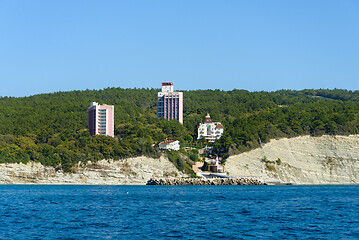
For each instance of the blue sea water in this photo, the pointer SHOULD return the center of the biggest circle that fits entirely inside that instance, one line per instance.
(184, 212)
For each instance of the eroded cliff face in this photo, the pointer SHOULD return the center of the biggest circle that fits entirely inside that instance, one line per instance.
(132, 171)
(302, 160)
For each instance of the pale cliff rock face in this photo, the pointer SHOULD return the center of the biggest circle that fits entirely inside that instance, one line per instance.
(304, 160)
(132, 171)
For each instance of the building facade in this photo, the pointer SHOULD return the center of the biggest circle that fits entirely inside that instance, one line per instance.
(210, 130)
(170, 103)
(169, 145)
(101, 119)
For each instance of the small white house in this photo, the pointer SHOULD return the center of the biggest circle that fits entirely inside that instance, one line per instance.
(169, 145)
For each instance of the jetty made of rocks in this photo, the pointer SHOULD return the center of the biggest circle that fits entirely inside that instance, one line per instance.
(205, 181)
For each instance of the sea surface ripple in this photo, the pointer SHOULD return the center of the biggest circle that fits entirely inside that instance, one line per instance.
(183, 212)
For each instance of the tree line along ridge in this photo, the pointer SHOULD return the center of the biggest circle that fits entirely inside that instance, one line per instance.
(52, 128)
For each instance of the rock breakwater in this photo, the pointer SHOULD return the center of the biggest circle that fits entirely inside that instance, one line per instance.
(300, 160)
(205, 181)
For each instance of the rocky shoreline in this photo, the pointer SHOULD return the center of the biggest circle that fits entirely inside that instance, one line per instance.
(205, 181)
(301, 160)
(132, 171)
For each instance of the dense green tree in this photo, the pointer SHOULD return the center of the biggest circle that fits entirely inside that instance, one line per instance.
(52, 128)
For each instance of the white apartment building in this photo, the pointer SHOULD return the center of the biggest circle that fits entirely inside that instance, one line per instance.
(210, 130)
(101, 119)
(170, 103)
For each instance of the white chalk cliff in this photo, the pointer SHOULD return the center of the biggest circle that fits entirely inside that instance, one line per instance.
(132, 171)
(303, 160)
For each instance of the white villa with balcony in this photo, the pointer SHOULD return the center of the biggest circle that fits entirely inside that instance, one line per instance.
(210, 130)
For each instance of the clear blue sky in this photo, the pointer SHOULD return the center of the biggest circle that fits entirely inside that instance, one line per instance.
(49, 46)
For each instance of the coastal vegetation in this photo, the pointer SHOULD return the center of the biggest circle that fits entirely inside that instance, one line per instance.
(52, 128)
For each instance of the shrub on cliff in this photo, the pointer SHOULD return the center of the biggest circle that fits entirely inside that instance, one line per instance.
(52, 128)
(180, 163)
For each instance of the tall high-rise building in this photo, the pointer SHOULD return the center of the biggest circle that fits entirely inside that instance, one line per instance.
(170, 103)
(101, 119)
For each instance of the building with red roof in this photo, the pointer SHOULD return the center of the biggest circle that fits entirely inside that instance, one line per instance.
(210, 130)
(169, 145)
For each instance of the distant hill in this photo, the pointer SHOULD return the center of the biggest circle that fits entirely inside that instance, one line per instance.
(52, 128)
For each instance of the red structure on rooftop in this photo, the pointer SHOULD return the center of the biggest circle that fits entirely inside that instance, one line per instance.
(170, 103)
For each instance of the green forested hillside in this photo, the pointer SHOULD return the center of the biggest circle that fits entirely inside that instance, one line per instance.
(52, 128)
